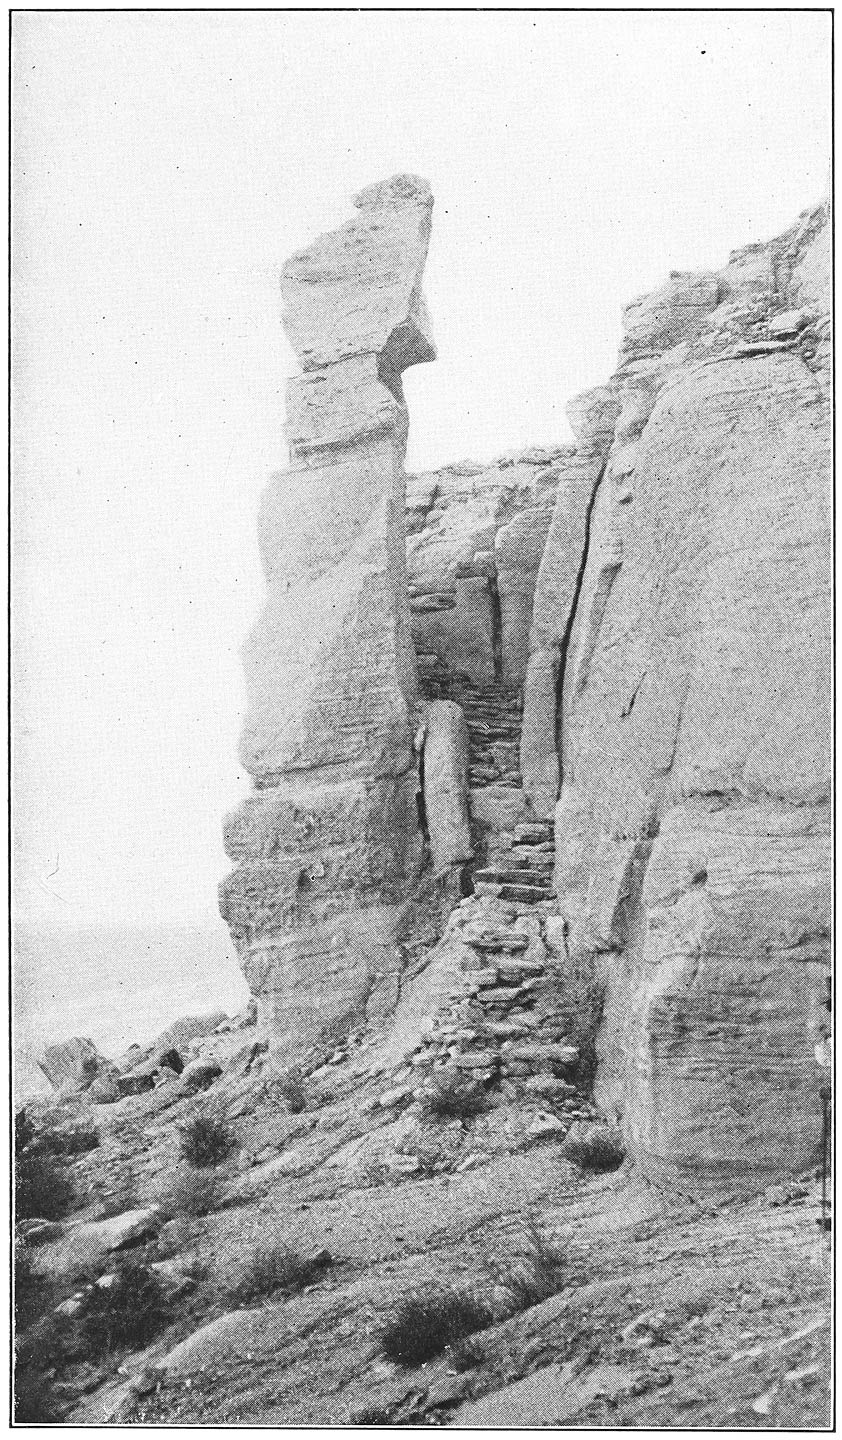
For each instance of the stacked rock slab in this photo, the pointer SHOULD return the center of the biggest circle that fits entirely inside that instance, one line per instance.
(692, 713)
(500, 1020)
(475, 537)
(327, 843)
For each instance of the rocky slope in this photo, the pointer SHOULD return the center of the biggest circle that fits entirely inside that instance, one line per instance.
(608, 1301)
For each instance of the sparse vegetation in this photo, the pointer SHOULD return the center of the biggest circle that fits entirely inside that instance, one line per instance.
(191, 1192)
(538, 1272)
(452, 1097)
(43, 1189)
(75, 1141)
(206, 1141)
(24, 1131)
(466, 1354)
(272, 1268)
(594, 1147)
(35, 1400)
(31, 1292)
(290, 1087)
(582, 1003)
(426, 1324)
(372, 1415)
(128, 1312)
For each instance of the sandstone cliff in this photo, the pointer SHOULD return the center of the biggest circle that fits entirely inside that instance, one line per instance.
(636, 628)
(681, 662)
(329, 839)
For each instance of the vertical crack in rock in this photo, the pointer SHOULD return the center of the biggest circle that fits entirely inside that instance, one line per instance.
(496, 627)
(692, 829)
(329, 842)
(564, 646)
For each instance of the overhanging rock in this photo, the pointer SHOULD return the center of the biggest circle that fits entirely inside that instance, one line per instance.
(327, 843)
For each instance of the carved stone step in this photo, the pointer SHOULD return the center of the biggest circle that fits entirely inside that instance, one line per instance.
(529, 894)
(497, 876)
(532, 832)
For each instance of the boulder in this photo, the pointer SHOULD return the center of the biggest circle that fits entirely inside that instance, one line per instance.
(199, 1074)
(82, 1248)
(190, 1027)
(73, 1064)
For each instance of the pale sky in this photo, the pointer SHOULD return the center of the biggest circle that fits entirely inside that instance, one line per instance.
(164, 167)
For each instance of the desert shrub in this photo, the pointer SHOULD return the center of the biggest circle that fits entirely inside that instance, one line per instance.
(597, 1147)
(426, 1324)
(43, 1189)
(191, 1192)
(129, 1312)
(31, 1292)
(35, 1400)
(76, 1141)
(24, 1131)
(465, 1354)
(582, 1004)
(290, 1087)
(373, 1415)
(538, 1272)
(451, 1097)
(205, 1141)
(271, 1268)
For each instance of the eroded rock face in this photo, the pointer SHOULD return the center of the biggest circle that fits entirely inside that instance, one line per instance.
(446, 785)
(475, 537)
(692, 714)
(326, 844)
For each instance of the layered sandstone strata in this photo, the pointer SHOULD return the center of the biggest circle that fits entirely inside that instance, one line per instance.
(328, 841)
(475, 537)
(681, 656)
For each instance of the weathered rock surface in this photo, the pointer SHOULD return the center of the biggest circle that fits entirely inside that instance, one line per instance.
(73, 1064)
(684, 665)
(326, 845)
(446, 785)
(82, 1248)
(475, 537)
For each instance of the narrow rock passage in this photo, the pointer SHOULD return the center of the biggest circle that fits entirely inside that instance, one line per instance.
(516, 863)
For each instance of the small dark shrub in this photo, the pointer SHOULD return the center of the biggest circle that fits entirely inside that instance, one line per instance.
(582, 1003)
(24, 1131)
(425, 1325)
(454, 1098)
(77, 1141)
(536, 1274)
(43, 1189)
(191, 1192)
(129, 1312)
(272, 1268)
(205, 1141)
(466, 1354)
(32, 1293)
(201, 1077)
(597, 1147)
(290, 1087)
(35, 1401)
(372, 1415)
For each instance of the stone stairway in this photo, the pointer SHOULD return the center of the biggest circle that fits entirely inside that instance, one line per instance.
(523, 870)
(500, 1020)
(518, 864)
